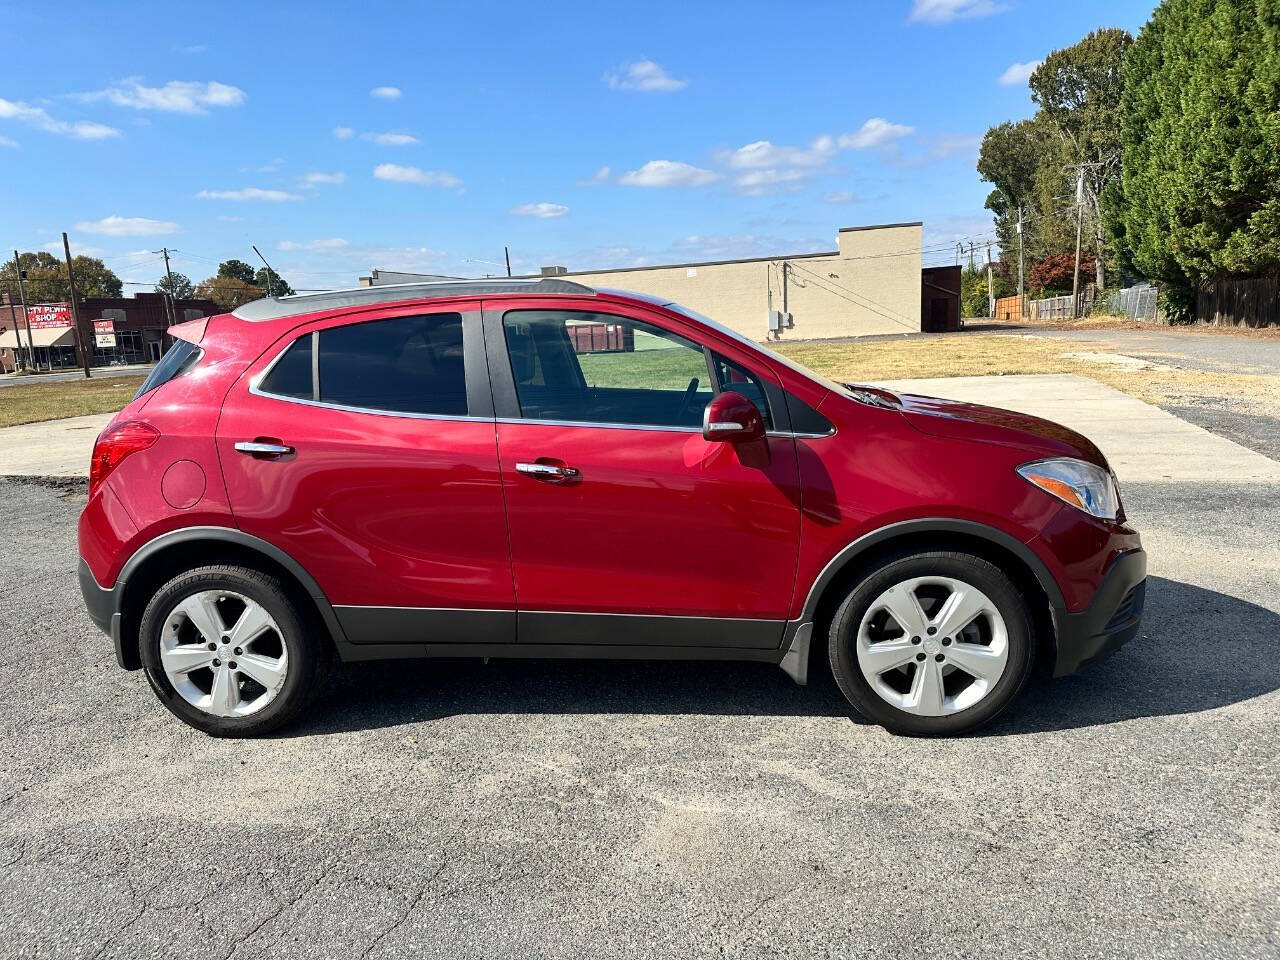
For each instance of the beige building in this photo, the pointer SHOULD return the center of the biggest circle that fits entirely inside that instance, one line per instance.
(872, 283)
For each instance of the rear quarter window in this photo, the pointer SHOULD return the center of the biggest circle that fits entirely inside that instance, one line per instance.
(177, 360)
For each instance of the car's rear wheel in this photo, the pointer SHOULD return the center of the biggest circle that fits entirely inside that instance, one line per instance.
(932, 643)
(227, 651)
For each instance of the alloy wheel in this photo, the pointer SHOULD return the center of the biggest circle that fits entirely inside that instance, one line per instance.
(223, 653)
(932, 646)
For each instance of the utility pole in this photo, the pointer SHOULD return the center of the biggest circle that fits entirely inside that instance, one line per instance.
(1022, 300)
(26, 317)
(991, 289)
(17, 333)
(170, 307)
(85, 350)
(971, 256)
(786, 265)
(507, 255)
(1075, 280)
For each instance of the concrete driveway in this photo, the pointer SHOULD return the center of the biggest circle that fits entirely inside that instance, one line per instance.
(549, 809)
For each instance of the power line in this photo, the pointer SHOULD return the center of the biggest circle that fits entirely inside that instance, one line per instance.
(877, 308)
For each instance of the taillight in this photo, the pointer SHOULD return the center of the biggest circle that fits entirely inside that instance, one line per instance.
(115, 445)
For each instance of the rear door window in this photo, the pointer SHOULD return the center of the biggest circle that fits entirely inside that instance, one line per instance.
(410, 365)
(291, 374)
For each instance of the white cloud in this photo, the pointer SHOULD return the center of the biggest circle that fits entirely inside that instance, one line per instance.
(193, 49)
(395, 173)
(949, 143)
(643, 75)
(385, 93)
(115, 226)
(763, 154)
(390, 139)
(248, 193)
(1018, 73)
(543, 211)
(944, 11)
(226, 218)
(668, 173)
(6, 142)
(876, 132)
(343, 133)
(176, 96)
(39, 118)
(601, 176)
(333, 243)
(79, 250)
(757, 181)
(316, 178)
(86, 130)
(270, 166)
(839, 196)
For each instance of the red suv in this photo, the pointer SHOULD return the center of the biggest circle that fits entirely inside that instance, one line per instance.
(534, 468)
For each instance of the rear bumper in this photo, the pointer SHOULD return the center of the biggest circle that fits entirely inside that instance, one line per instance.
(1111, 619)
(103, 606)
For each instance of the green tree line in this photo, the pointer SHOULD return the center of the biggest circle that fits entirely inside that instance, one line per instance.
(45, 281)
(1175, 137)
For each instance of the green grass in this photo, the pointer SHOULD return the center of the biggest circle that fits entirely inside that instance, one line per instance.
(670, 369)
(33, 400)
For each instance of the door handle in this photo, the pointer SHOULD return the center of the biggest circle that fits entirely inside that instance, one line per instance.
(548, 471)
(256, 448)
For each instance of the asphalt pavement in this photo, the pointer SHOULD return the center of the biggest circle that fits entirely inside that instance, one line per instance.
(547, 809)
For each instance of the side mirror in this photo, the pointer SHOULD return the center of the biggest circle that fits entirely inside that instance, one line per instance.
(732, 418)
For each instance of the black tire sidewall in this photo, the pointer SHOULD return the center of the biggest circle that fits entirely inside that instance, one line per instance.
(973, 570)
(262, 589)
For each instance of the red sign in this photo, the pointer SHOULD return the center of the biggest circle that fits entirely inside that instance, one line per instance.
(49, 316)
(104, 326)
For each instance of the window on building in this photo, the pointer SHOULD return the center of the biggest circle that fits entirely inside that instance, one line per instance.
(595, 368)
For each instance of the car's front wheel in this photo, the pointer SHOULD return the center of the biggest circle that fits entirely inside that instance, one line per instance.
(226, 651)
(932, 643)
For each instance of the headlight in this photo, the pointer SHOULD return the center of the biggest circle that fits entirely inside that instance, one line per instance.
(1084, 485)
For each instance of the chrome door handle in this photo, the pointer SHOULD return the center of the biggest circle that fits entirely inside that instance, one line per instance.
(547, 471)
(254, 448)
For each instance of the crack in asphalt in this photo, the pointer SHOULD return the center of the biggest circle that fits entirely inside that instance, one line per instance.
(422, 892)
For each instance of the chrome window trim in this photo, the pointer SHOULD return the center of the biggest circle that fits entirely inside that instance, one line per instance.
(650, 427)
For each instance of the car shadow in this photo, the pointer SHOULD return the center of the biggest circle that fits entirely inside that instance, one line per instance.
(1198, 650)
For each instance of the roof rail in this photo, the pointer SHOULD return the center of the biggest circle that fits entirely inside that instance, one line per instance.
(291, 306)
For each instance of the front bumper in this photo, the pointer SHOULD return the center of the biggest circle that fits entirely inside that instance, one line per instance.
(103, 606)
(1111, 619)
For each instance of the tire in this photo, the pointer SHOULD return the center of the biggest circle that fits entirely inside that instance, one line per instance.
(280, 667)
(932, 694)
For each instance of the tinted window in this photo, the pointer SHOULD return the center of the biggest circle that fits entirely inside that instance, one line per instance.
(291, 375)
(177, 360)
(597, 368)
(741, 380)
(401, 365)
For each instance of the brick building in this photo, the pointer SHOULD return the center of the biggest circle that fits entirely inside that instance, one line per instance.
(124, 329)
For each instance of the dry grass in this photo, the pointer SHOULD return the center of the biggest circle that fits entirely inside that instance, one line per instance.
(978, 356)
(950, 356)
(35, 399)
(1135, 326)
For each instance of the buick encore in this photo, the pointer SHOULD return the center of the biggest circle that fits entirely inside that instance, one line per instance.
(534, 468)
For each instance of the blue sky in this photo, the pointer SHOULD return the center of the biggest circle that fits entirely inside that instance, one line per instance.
(425, 137)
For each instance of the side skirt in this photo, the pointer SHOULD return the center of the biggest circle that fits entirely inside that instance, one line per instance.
(381, 633)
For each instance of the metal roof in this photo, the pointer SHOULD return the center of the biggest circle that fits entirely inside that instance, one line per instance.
(277, 307)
